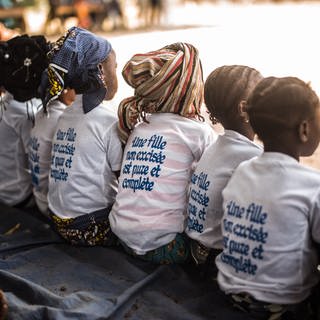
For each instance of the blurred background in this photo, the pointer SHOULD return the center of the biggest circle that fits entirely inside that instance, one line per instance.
(277, 37)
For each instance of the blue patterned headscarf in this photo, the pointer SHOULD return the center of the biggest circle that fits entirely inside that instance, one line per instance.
(74, 63)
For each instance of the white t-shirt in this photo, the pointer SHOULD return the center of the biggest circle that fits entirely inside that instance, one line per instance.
(86, 150)
(158, 160)
(16, 120)
(40, 151)
(270, 223)
(212, 173)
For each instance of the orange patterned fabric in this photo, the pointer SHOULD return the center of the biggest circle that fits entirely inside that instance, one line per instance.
(168, 80)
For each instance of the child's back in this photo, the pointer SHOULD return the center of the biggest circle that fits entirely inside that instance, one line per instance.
(85, 152)
(86, 149)
(22, 61)
(15, 126)
(156, 169)
(160, 153)
(272, 217)
(40, 147)
(207, 182)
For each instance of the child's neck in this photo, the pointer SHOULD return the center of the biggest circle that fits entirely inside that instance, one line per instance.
(244, 130)
(282, 148)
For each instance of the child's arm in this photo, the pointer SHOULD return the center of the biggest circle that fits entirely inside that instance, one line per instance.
(315, 225)
(114, 149)
(318, 251)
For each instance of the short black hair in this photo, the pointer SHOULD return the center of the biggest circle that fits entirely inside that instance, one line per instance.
(279, 104)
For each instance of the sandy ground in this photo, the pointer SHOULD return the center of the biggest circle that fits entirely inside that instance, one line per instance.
(277, 39)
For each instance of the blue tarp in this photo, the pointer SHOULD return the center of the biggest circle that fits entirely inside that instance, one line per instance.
(44, 278)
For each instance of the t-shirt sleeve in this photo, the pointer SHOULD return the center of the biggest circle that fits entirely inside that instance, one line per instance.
(114, 148)
(24, 131)
(21, 121)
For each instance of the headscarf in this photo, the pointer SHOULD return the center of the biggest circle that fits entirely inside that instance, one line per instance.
(74, 63)
(22, 61)
(168, 80)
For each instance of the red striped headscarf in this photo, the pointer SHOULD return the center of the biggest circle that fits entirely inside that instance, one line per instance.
(168, 80)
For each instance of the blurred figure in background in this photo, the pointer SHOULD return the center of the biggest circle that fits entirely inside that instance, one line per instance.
(83, 13)
(6, 33)
(114, 13)
(151, 12)
(53, 6)
(156, 11)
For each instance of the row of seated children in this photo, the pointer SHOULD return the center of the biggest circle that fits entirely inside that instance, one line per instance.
(241, 212)
(91, 190)
(259, 218)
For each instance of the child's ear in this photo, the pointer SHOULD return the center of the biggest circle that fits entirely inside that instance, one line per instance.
(242, 111)
(304, 131)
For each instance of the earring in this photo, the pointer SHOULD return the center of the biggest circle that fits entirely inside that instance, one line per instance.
(246, 121)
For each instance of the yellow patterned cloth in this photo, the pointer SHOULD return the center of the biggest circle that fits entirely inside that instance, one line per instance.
(89, 230)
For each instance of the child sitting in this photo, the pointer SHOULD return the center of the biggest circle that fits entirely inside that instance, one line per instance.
(86, 150)
(149, 212)
(22, 61)
(225, 93)
(271, 219)
(40, 146)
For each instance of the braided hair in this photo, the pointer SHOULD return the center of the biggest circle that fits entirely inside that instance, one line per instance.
(277, 105)
(226, 87)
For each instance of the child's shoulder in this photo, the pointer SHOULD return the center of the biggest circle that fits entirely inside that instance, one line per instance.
(283, 166)
(176, 120)
(236, 141)
(104, 111)
(310, 173)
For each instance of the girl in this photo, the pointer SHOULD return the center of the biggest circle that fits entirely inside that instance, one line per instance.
(40, 146)
(271, 219)
(22, 60)
(164, 139)
(225, 92)
(86, 150)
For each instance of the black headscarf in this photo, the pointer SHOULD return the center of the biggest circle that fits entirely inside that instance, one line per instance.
(22, 61)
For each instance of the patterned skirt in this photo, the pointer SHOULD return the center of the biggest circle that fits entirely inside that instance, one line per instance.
(176, 251)
(269, 311)
(91, 229)
(204, 259)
